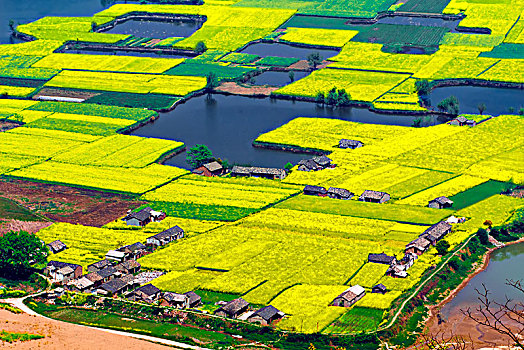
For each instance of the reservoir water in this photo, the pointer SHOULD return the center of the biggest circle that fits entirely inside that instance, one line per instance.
(285, 50)
(157, 29)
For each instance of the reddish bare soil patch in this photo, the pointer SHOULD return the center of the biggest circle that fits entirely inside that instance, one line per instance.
(6, 125)
(300, 65)
(56, 92)
(17, 225)
(234, 88)
(61, 335)
(67, 204)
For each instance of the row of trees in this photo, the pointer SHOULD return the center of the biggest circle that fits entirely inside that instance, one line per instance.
(334, 97)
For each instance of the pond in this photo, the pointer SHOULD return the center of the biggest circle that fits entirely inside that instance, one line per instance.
(286, 50)
(158, 29)
(228, 125)
(506, 263)
(497, 100)
(274, 78)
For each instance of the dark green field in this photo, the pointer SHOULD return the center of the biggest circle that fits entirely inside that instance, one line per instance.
(11, 210)
(477, 194)
(122, 99)
(401, 35)
(424, 6)
(355, 320)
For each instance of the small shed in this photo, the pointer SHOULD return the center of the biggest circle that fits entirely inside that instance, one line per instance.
(350, 296)
(266, 315)
(322, 161)
(233, 309)
(374, 196)
(180, 301)
(379, 288)
(139, 218)
(194, 299)
(440, 203)
(418, 246)
(56, 246)
(381, 258)
(339, 193)
(463, 121)
(308, 165)
(210, 169)
(311, 190)
(352, 144)
(165, 237)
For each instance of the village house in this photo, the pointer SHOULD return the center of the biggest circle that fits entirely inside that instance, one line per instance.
(147, 293)
(99, 265)
(379, 288)
(53, 267)
(350, 296)
(116, 256)
(128, 267)
(113, 287)
(399, 271)
(315, 163)
(417, 246)
(194, 299)
(233, 309)
(374, 197)
(180, 301)
(408, 260)
(311, 190)
(436, 232)
(143, 217)
(440, 203)
(165, 237)
(266, 315)
(135, 250)
(463, 121)
(95, 278)
(382, 258)
(352, 144)
(80, 285)
(108, 274)
(268, 173)
(339, 193)
(56, 246)
(210, 169)
(323, 161)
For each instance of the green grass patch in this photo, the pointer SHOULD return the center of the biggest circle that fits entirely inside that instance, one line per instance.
(387, 211)
(357, 319)
(11, 210)
(21, 82)
(13, 337)
(424, 6)
(277, 61)
(210, 297)
(93, 109)
(122, 99)
(299, 21)
(505, 50)
(240, 58)
(401, 35)
(203, 70)
(477, 194)
(203, 212)
(78, 126)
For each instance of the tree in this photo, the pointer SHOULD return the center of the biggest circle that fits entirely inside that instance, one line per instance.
(291, 75)
(449, 105)
(504, 317)
(11, 25)
(93, 26)
(331, 97)
(423, 87)
(343, 98)
(18, 251)
(211, 81)
(442, 247)
(320, 98)
(199, 155)
(288, 166)
(200, 47)
(482, 235)
(417, 122)
(481, 107)
(521, 111)
(314, 59)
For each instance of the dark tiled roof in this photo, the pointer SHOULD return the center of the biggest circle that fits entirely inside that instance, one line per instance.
(57, 245)
(309, 164)
(352, 292)
(315, 189)
(420, 243)
(169, 296)
(100, 264)
(173, 231)
(257, 171)
(114, 286)
(373, 194)
(148, 289)
(345, 143)
(342, 192)
(437, 230)
(234, 306)
(94, 277)
(193, 297)
(135, 246)
(129, 264)
(442, 200)
(107, 272)
(267, 313)
(380, 287)
(59, 264)
(322, 160)
(381, 258)
(141, 215)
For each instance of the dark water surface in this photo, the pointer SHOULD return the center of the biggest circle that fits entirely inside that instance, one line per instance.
(285, 50)
(278, 78)
(497, 100)
(506, 263)
(230, 124)
(157, 29)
